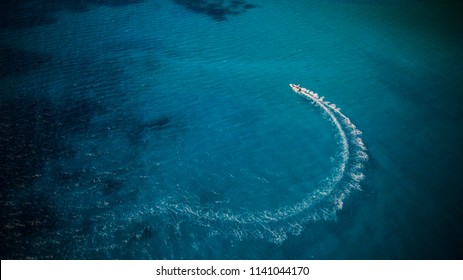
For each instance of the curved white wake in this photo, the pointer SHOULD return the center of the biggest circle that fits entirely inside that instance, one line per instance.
(322, 204)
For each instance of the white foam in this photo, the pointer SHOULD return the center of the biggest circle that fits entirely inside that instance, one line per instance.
(322, 204)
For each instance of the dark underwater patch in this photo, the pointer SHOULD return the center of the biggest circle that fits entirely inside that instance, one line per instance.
(157, 124)
(164, 128)
(14, 61)
(116, 3)
(53, 194)
(29, 13)
(23, 221)
(110, 186)
(216, 9)
(34, 131)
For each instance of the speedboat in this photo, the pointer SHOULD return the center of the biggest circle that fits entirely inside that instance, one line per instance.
(300, 90)
(296, 88)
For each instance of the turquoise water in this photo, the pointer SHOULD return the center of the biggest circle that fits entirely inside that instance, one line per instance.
(167, 130)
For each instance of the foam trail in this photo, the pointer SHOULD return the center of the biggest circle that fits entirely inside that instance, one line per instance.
(322, 204)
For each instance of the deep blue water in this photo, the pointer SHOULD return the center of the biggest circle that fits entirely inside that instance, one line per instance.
(167, 129)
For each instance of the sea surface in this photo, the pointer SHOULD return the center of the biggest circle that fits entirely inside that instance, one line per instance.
(166, 129)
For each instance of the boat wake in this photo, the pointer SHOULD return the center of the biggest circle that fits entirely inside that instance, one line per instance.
(320, 205)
